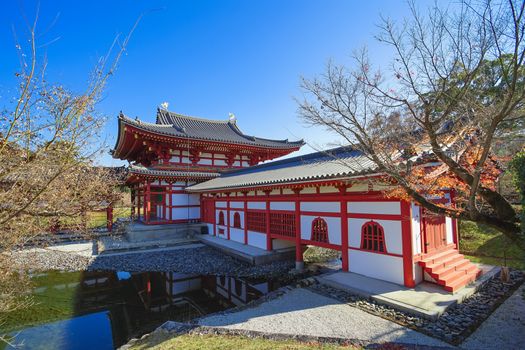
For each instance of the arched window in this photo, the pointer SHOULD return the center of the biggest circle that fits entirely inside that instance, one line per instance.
(237, 220)
(373, 237)
(221, 218)
(319, 231)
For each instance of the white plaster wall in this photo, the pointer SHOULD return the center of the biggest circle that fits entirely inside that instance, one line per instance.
(210, 229)
(205, 162)
(308, 190)
(325, 207)
(328, 189)
(219, 155)
(418, 273)
(236, 235)
(282, 205)
(392, 229)
(380, 266)
(448, 228)
(256, 205)
(257, 239)
(392, 208)
(194, 199)
(179, 199)
(182, 213)
(220, 204)
(220, 162)
(334, 228)
(282, 243)
(239, 205)
(231, 217)
(207, 155)
(416, 229)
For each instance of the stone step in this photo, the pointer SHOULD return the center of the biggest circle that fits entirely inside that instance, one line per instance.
(438, 257)
(450, 260)
(446, 270)
(461, 282)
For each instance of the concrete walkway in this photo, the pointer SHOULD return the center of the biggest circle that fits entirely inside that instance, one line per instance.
(426, 300)
(504, 329)
(301, 312)
(244, 252)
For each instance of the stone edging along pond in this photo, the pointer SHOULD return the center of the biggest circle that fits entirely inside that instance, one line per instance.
(455, 325)
(173, 329)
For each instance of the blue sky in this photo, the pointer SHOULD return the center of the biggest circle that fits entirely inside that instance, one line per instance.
(206, 58)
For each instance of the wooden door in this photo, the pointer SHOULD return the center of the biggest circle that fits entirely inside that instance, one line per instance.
(208, 211)
(435, 233)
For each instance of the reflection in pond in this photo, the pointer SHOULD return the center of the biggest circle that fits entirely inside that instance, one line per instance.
(109, 308)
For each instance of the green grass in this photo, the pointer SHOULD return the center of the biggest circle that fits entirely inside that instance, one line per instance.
(484, 244)
(49, 303)
(98, 218)
(163, 341)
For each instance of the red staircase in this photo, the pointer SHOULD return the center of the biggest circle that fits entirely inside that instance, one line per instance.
(450, 269)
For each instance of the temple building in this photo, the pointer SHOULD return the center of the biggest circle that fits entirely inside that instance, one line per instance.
(187, 169)
(178, 151)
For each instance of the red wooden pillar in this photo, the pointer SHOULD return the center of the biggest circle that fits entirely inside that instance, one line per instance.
(109, 217)
(455, 229)
(406, 242)
(268, 236)
(228, 215)
(344, 228)
(170, 201)
(299, 263)
(214, 199)
(133, 204)
(147, 202)
(244, 216)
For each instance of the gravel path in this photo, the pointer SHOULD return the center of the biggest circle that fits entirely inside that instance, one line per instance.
(44, 259)
(306, 313)
(504, 329)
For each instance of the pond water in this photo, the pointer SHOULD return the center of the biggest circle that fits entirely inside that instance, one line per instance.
(103, 310)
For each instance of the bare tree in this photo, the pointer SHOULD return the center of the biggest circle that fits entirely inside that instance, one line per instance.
(455, 84)
(48, 143)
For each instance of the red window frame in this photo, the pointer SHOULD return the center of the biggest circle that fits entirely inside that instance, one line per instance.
(282, 224)
(236, 220)
(221, 218)
(373, 237)
(256, 221)
(319, 230)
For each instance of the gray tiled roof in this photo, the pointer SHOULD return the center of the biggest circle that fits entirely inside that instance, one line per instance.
(173, 124)
(138, 169)
(336, 163)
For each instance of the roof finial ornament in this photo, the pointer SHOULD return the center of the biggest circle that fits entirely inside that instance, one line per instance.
(164, 106)
(232, 118)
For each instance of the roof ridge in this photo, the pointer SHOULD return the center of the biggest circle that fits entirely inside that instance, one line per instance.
(159, 111)
(308, 156)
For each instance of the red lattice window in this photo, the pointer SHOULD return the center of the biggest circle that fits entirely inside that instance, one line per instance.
(319, 230)
(221, 218)
(282, 224)
(237, 220)
(373, 237)
(256, 221)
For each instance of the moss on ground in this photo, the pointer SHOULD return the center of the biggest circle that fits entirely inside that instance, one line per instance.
(53, 300)
(483, 244)
(165, 341)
